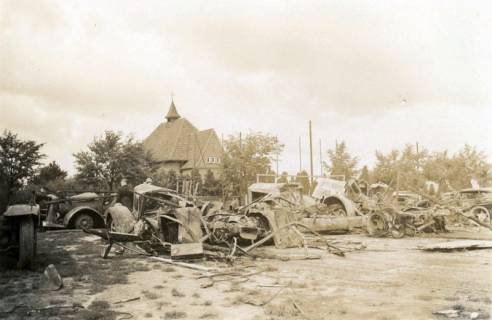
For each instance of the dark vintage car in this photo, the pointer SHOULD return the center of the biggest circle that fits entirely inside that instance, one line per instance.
(84, 210)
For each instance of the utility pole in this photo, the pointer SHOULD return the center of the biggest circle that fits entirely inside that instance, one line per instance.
(276, 173)
(242, 168)
(300, 155)
(311, 151)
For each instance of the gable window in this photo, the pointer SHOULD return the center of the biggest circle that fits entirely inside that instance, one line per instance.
(213, 160)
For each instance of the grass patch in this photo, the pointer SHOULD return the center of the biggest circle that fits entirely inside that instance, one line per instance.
(148, 315)
(284, 310)
(169, 269)
(298, 285)
(97, 310)
(208, 315)
(175, 315)
(208, 303)
(235, 287)
(271, 269)
(150, 295)
(99, 305)
(140, 267)
(56, 301)
(158, 287)
(176, 293)
(161, 304)
(196, 295)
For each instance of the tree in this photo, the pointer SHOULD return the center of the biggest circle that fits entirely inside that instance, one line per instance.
(160, 178)
(438, 168)
(19, 160)
(364, 174)
(110, 158)
(284, 178)
(341, 162)
(468, 164)
(246, 157)
(196, 178)
(303, 179)
(386, 168)
(48, 174)
(172, 179)
(211, 186)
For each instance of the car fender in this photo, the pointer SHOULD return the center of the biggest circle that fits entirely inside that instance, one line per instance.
(18, 210)
(70, 214)
(347, 203)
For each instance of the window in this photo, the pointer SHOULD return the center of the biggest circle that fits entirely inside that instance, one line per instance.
(213, 160)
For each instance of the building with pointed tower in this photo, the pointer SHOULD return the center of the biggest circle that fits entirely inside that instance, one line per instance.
(178, 145)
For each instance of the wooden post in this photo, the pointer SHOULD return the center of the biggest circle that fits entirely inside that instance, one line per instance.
(311, 152)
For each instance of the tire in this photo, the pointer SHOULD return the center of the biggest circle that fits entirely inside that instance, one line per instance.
(83, 221)
(377, 224)
(27, 243)
(481, 213)
(337, 210)
(262, 222)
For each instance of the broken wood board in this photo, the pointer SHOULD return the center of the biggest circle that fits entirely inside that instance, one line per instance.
(180, 251)
(459, 245)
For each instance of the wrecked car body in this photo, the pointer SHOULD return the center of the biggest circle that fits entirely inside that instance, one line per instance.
(162, 219)
(80, 211)
(396, 223)
(478, 202)
(328, 215)
(159, 216)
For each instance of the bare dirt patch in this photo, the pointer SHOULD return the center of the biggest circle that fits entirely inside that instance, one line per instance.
(390, 279)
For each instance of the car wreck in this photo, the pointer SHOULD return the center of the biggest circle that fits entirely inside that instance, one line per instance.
(476, 201)
(20, 223)
(82, 210)
(162, 221)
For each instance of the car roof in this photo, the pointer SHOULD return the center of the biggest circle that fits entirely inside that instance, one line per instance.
(471, 190)
(147, 188)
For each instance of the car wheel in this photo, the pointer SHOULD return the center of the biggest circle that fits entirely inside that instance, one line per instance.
(377, 224)
(83, 221)
(482, 214)
(337, 210)
(27, 243)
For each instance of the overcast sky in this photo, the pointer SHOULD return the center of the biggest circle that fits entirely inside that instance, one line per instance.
(377, 74)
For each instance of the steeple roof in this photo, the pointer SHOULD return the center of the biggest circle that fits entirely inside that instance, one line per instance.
(172, 114)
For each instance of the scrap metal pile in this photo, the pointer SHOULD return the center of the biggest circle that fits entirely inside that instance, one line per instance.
(162, 221)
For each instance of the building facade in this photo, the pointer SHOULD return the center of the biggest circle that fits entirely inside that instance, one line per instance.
(178, 145)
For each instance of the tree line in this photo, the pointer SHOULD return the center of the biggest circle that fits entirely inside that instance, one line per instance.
(111, 157)
(413, 166)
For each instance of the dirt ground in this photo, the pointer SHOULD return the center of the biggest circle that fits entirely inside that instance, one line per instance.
(388, 279)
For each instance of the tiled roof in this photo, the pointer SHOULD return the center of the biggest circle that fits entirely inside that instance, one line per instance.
(201, 145)
(169, 141)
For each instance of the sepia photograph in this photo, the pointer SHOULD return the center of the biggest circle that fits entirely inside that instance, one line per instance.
(245, 160)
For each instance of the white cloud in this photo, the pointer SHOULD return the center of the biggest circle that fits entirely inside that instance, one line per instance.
(70, 70)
